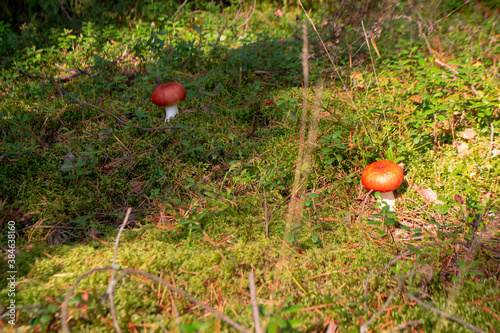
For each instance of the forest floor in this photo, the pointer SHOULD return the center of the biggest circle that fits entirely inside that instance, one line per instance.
(245, 212)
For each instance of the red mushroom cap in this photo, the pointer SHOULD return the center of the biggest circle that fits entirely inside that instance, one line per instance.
(169, 93)
(382, 176)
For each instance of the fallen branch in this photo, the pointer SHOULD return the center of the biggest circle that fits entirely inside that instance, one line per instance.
(365, 306)
(249, 16)
(451, 69)
(444, 314)
(65, 304)
(393, 261)
(112, 281)
(111, 287)
(364, 327)
(255, 305)
(361, 218)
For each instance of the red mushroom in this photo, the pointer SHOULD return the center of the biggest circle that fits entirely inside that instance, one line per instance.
(168, 95)
(383, 176)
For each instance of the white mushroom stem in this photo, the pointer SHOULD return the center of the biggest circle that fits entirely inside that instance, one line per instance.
(387, 198)
(170, 112)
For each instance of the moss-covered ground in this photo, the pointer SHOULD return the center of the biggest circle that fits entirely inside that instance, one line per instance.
(414, 82)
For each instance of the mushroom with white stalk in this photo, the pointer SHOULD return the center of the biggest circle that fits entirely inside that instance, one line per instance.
(168, 95)
(383, 176)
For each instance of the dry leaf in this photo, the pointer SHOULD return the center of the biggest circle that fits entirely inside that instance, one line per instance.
(375, 46)
(468, 134)
(416, 99)
(428, 195)
(459, 199)
(462, 148)
(358, 80)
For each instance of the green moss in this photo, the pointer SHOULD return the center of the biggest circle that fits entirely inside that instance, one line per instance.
(229, 165)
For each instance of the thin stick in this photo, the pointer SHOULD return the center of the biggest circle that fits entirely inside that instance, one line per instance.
(444, 314)
(65, 303)
(335, 68)
(374, 70)
(301, 169)
(212, 242)
(363, 207)
(393, 261)
(255, 305)
(249, 16)
(112, 281)
(65, 12)
(179, 9)
(324, 46)
(174, 307)
(221, 316)
(267, 213)
(361, 217)
(365, 306)
(364, 327)
(451, 69)
(491, 140)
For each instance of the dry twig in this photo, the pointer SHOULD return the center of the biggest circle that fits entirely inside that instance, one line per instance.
(249, 16)
(364, 327)
(444, 314)
(491, 140)
(255, 305)
(221, 316)
(112, 281)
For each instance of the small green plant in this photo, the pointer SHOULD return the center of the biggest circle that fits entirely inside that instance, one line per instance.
(280, 317)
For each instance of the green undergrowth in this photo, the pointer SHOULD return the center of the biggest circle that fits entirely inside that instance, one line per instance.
(77, 151)
(287, 295)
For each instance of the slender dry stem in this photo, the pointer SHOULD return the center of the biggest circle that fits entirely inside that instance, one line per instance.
(214, 312)
(298, 189)
(443, 314)
(364, 327)
(334, 67)
(374, 70)
(112, 281)
(492, 136)
(255, 305)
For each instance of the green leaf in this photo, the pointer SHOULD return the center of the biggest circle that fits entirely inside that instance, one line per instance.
(272, 327)
(45, 318)
(52, 308)
(75, 300)
(291, 309)
(413, 249)
(82, 219)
